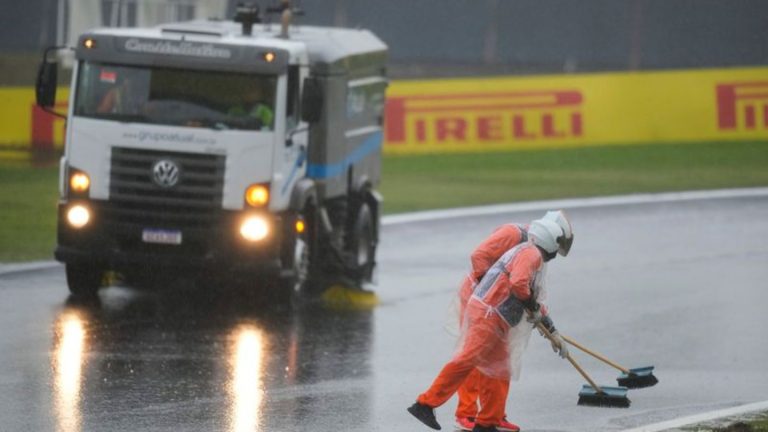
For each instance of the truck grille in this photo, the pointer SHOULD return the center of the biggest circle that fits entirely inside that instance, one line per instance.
(135, 198)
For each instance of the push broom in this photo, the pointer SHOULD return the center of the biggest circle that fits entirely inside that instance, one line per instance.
(630, 378)
(593, 394)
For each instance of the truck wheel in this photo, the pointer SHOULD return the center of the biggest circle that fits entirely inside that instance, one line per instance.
(83, 280)
(363, 243)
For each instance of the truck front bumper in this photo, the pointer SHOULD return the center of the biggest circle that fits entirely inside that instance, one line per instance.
(120, 243)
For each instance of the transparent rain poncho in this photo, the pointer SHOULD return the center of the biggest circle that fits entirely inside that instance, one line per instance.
(497, 244)
(493, 338)
(501, 240)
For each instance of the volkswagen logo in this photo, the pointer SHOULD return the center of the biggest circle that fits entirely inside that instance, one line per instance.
(165, 173)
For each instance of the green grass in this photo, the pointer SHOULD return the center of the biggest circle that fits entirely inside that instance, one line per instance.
(452, 180)
(28, 194)
(27, 211)
(760, 424)
(748, 423)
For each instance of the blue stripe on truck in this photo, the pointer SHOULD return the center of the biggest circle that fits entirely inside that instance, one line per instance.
(370, 145)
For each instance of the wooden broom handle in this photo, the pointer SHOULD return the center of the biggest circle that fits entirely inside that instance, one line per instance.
(583, 373)
(594, 354)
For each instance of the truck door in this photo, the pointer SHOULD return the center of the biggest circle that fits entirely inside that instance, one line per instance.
(296, 131)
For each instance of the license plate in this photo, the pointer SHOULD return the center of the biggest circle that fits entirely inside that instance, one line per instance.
(161, 236)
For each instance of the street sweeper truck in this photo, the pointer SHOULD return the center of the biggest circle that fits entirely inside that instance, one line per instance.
(223, 146)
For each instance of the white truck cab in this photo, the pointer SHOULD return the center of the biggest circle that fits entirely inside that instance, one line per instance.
(221, 145)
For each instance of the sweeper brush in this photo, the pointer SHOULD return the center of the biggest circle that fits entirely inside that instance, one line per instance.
(609, 397)
(593, 394)
(600, 396)
(638, 378)
(630, 378)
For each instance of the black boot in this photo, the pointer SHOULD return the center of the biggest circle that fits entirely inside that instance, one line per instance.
(479, 428)
(425, 414)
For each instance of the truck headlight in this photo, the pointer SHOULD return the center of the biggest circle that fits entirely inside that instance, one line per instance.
(254, 228)
(257, 195)
(78, 216)
(79, 181)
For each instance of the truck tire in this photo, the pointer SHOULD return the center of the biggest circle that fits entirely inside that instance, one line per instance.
(83, 280)
(363, 242)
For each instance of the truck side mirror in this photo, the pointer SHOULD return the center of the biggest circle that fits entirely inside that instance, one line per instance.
(311, 101)
(45, 87)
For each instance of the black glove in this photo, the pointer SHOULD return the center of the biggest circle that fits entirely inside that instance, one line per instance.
(531, 304)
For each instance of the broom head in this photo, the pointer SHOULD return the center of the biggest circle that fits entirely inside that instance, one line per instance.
(610, 397)
(638, 378)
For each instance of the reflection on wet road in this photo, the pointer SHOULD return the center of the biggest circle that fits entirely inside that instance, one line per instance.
(189, 359)
(68, 354)
(247, 386)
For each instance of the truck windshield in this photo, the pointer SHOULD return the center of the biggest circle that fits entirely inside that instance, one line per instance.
(216, 100)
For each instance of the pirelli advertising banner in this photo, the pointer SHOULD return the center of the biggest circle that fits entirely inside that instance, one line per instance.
(508, 113)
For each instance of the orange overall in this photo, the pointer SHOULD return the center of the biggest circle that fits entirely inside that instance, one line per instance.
(483, 257)
(485, 344)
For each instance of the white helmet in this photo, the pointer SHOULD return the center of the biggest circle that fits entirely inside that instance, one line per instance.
(558, 217)
(545, 234)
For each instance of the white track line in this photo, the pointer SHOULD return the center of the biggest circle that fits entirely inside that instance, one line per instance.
(26, 267)
(431, 215)
(701, 418)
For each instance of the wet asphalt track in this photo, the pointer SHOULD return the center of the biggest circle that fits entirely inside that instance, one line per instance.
(681, 286)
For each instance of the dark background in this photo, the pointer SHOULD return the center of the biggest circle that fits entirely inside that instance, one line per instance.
(459, 37)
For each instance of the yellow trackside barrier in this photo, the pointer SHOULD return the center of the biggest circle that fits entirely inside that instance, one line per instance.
(508, 113)
(27, 126)
(491, 114)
